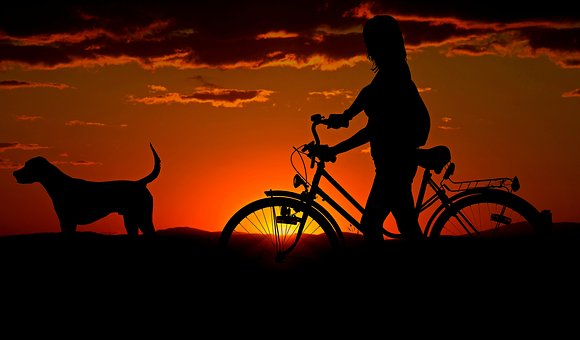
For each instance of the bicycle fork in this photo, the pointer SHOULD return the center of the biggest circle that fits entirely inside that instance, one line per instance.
(287, 218)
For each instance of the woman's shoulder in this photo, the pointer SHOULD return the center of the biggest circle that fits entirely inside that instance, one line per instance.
(384, 80)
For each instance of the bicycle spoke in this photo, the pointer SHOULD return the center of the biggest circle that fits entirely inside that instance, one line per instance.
(272, 225)
(490, 214)
(466, 223)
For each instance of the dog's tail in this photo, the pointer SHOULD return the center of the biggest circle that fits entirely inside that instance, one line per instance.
(156, 169)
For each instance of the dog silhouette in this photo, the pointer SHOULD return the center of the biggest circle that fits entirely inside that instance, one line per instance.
(78, 202)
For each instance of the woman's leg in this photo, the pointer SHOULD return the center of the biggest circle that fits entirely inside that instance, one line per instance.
(391, 191)
(404, 211)
(377, 209)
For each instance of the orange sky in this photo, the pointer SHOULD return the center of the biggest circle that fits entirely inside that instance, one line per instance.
(224, 93)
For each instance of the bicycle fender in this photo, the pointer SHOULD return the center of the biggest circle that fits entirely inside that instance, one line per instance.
(315, 205)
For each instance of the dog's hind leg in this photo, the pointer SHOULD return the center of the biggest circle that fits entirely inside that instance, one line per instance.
(146, 217)
(147, 228)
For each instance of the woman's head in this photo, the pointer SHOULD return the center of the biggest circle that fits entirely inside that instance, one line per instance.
(384, 41)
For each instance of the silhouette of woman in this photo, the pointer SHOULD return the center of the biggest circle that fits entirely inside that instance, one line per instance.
(398, 123)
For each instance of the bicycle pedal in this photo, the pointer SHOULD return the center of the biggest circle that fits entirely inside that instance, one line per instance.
(501, 219)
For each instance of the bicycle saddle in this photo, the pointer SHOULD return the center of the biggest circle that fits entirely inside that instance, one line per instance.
(434, 158)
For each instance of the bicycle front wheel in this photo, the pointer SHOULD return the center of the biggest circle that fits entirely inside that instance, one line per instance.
(489, 214)
(279, 229)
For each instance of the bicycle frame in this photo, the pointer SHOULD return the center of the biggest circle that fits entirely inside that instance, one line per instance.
(315, 190)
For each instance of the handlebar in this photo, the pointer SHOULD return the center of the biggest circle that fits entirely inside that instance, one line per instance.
(316, 119)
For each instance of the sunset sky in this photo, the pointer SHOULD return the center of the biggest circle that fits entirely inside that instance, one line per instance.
(223, 92)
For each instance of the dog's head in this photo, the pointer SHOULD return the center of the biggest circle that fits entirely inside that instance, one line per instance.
(34, 170)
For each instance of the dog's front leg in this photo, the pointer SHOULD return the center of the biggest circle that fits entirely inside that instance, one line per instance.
(131, 225)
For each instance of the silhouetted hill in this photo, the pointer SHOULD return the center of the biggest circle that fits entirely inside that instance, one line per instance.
(184, 255)
(195, 249)
(181, 272)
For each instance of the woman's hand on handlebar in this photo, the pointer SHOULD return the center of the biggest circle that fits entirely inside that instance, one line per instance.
(337, 121)
(324, 152)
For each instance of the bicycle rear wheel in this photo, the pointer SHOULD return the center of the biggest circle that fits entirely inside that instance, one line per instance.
(266, 230)
(489, 214)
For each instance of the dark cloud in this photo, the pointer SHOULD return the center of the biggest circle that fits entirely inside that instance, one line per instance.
(321, 34)
(17, 84)
(561, 44)
(203, 82)
(485, 11)
(558, 39)
(571, 62)
(435, 31)
(571, 93)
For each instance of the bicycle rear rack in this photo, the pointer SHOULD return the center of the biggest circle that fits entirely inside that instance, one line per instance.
(509, 184)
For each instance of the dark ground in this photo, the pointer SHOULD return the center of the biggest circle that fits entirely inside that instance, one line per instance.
(181, 272)
(192, 255)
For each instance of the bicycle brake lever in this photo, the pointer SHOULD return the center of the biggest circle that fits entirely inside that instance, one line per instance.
(316, 118)
(309, 148)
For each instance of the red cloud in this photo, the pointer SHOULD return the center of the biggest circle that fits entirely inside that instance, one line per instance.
(156, 88)
(76, 163)
(571, 93)
(446, 124)
(20, 146)
(277, 35)
(83, 123)
(215, 96)
(327, 94)
(29, 118)
(7, 164)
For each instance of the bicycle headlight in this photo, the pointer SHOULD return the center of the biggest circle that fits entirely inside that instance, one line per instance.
(298, 181)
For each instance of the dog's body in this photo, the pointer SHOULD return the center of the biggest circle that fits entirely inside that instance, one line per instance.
(77, 201)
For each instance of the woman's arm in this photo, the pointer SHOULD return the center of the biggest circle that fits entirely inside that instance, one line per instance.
(358, 139)
(358, 104)
(338, 120)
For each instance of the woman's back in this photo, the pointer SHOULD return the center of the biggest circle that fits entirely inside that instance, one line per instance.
(397, 116)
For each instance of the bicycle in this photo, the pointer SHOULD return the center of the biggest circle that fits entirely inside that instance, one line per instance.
(286, 222)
